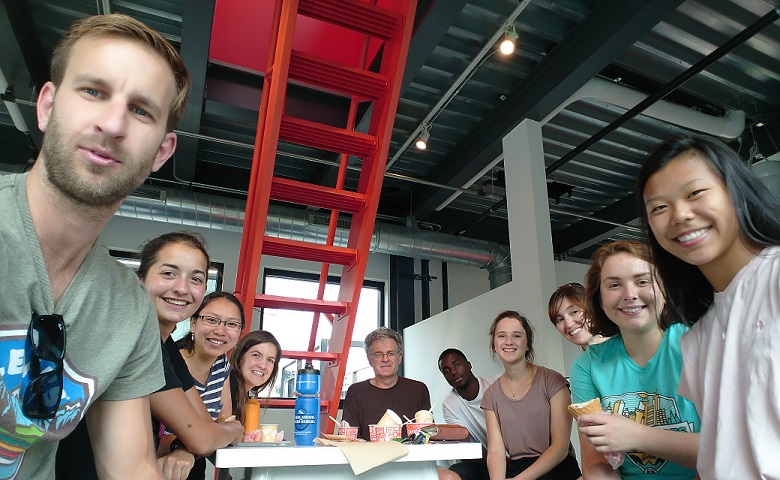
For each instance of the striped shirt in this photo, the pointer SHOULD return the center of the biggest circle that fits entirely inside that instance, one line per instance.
(211, 392)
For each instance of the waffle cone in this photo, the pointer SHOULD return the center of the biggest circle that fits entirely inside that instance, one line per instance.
(591, 406)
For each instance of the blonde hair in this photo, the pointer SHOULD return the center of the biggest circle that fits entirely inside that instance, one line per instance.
(121, 26)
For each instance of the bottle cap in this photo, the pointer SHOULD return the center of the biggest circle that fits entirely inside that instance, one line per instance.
(308, 369)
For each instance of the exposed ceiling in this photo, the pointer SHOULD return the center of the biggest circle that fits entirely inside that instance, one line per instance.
(614, 52)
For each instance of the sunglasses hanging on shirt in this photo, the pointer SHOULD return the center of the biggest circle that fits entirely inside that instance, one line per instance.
(46, 347)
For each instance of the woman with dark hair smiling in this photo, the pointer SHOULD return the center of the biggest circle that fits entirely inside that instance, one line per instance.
(714, 228)
(255, 361)
(568, 313)
(214, 330)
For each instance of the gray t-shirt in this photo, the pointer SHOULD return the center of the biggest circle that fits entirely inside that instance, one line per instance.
(112, 338)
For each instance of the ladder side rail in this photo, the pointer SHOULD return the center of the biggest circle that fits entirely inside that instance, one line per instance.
(333, 224)
(264, 155)
(370, 183)
(248, 234)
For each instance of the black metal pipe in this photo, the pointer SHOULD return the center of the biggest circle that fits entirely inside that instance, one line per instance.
(425, 285)
(445, 289)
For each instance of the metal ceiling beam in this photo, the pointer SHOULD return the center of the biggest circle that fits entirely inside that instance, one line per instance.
(197, 18)
(428, 34)
(669, 87)
(579, 236)
(626, 210)
(608, 31)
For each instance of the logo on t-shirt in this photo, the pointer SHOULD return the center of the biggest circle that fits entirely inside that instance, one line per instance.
(649, 409)
(17, 432)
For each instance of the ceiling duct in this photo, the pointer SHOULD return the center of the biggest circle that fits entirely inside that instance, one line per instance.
(179, 207)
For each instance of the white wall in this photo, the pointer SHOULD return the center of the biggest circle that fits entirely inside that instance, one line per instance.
(466, 326)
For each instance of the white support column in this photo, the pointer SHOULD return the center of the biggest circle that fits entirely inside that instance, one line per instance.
(530, 239)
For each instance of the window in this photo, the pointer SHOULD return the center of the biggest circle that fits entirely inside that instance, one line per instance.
(293, 329)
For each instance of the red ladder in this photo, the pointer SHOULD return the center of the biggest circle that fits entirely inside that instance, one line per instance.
(394, 29)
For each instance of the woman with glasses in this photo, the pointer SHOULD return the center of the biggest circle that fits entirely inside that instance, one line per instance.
(255, 362)
(635, 373)
(568, 314)
(173, 269)
(214, 330)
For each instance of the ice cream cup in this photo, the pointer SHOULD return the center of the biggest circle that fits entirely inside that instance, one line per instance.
(412, 428)
(389, 418)
(378, 433)
(423, 416)
(268, 432)
(349, 432)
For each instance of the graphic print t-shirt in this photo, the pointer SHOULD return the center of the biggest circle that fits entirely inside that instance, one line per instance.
(647, 395)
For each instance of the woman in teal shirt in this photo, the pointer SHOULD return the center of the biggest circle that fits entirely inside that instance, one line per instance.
(635, 373)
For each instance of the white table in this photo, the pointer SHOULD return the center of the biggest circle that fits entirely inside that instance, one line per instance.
(320, 462)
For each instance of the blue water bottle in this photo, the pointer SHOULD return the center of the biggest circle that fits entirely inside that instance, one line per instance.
(307, 405)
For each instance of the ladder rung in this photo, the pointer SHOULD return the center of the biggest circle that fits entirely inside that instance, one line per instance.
(312, 252)
(351, 81)
(303, 193)
(315, 356)
(300, 304)
(326, 137)
(355, 15)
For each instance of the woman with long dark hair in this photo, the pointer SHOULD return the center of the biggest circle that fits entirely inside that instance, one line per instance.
(255, 361)
(714, 229)
(214, 330)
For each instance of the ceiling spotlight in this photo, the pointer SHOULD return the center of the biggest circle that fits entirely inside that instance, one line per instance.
(422, 141)
(507, 45)
(759, 124)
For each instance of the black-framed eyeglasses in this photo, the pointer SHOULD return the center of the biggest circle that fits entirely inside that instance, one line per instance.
(380, 355)
(46, 342)
(215, 322)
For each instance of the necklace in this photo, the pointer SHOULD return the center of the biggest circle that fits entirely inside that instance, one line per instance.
(528, 376)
